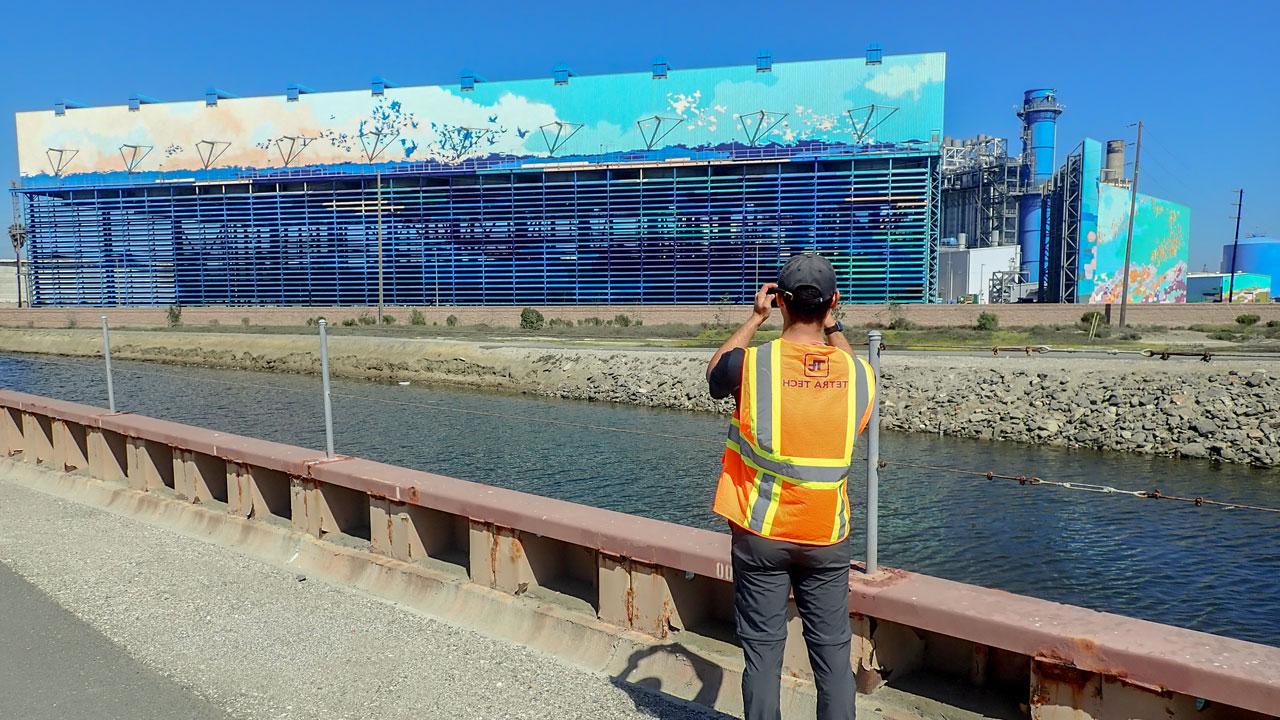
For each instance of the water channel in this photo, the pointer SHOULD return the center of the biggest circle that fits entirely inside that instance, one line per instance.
(1205, 568)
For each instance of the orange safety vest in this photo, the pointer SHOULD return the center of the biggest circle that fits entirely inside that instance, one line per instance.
(787, 457)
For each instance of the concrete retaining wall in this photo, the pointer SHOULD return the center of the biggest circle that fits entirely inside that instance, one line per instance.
(1025, 315)
(580, 581)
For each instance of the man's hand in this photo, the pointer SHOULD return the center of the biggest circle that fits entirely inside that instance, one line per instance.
(742, 336)
(764, 301)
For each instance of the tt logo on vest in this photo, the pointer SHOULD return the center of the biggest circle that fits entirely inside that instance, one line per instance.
(816, 366)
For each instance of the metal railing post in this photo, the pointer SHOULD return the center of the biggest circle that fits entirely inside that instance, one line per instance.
(324, 377)
(106, 355)
(873, 459)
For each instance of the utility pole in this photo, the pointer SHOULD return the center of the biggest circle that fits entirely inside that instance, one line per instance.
(1235, 247)
(1128, 241)
(18, 235)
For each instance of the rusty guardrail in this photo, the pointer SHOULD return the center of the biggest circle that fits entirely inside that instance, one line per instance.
(662, 580)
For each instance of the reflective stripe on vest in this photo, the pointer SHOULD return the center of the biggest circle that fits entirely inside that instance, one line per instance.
(811, 472)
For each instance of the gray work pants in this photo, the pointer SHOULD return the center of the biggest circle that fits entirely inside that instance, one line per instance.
(764, 573)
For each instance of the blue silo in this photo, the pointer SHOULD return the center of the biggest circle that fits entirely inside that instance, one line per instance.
(1257, 254)
(1039, 114)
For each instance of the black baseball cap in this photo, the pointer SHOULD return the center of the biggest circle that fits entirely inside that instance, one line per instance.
(812, 271)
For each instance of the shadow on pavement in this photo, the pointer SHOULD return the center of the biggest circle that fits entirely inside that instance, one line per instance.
(648, 693)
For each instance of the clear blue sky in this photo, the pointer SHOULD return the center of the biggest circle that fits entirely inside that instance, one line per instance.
(1204, 76)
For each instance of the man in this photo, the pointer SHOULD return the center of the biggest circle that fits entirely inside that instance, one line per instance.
(801, 400)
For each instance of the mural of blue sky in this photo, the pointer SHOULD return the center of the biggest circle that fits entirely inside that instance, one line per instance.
(843, 101)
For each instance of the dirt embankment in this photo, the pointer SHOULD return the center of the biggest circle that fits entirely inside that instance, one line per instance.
(1229, 410)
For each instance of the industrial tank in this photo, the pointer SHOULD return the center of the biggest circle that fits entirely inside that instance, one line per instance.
(1039, 114)
(1259, 255)
(1114, 171)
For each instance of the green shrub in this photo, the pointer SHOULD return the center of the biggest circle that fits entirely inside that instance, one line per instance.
(388, 319)
(244, 321)
(591, 321)
(313, 321)
(451, 321)
(901, 323)
(621, 320)
(559, 323)
(1224, 335)
(366, 319)
(71, 321)
(417, 318)
(988, 321)
(1130, 335)
(1088, 318)
(349, 322)
(531, 319)
(1247, 319)
(174, 315)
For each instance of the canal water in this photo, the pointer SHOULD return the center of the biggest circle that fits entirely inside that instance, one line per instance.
(1205, 568)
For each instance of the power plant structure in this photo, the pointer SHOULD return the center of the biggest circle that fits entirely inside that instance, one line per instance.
(1054, 233)
(1256, 255)
(669, 186)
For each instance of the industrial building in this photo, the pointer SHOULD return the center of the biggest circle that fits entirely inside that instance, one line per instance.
(1240, 287)
(666, 186)
(1256, 255)
(1069, 222)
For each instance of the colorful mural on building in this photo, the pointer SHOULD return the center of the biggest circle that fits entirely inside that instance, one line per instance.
(1158, 265)
(1219, 287)
(844, 101)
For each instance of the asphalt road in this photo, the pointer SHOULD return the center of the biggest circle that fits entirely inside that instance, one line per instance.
(54, 665)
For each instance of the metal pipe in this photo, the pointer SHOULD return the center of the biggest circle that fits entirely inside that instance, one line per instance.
(379, 183)
(873, 459)
(106, 355)
(324, 379)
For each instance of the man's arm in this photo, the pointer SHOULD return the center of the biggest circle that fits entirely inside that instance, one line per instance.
(742, 336)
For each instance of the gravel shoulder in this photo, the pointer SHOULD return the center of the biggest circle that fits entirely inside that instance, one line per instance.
(209, 633)
(1223, 410)
(58, 667)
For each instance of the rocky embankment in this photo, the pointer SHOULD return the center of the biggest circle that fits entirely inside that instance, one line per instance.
(1226, 410)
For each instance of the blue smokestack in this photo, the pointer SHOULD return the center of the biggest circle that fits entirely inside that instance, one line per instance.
(1039, 114)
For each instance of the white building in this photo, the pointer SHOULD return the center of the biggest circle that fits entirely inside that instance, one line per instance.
(8, 282)
(967, 271)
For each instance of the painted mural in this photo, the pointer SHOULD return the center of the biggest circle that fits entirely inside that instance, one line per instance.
(1219, 287)
(1158, 265)
(844, 101)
